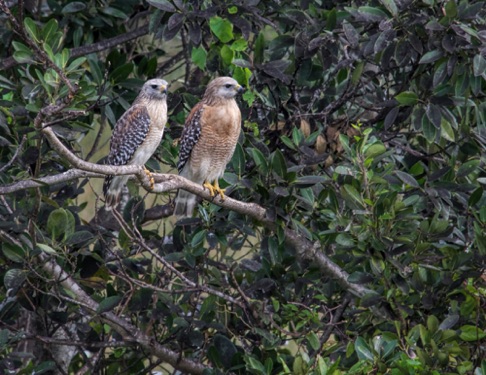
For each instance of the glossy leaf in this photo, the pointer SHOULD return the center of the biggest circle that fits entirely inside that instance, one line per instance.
(74, 7)
(198, 56)
(363, 350)
(407, 98)
(222, 28)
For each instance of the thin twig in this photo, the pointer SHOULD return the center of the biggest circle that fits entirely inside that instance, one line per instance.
(16, 154)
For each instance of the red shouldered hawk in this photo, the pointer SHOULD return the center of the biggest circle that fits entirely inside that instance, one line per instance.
(208, 140)
(136, 135)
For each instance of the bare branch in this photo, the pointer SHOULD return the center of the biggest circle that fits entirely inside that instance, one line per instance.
(16, 154)
(127, 330)
(306, 249)
(70, 175)
(64, 152)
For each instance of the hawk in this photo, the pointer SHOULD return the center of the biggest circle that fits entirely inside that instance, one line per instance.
(208, 140)
(136, 135)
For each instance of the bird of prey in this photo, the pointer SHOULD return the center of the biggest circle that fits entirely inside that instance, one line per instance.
(136, 136)
(208, 140)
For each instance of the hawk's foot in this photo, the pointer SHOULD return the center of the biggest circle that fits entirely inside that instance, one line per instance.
(219, 190)
(210, 187)
(150, 177)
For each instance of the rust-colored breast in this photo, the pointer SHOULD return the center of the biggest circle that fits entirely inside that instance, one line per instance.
(220, 129)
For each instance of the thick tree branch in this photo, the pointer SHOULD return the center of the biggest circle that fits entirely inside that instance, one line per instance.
(70, 175)
(64, 152)
(306, 249)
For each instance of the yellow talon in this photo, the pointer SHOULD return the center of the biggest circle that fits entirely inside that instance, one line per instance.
(214, 189)
(210, 188)
(219, 190)
(150, 177)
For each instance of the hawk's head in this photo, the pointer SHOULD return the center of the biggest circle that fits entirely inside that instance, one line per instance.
(223, 88)
(155, 89)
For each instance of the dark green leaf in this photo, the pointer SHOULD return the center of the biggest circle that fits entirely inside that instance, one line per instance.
(451, 9)
(390, 6)
(407, 98)
(32, 29)
(13, 252)
(225, 348)
(259, 48)
(46, 249)
(431, 56)
(471, 333)
(198, 56)
(44, 367)
(430, 131)
(357, 72)
(446, 131)
(433, 114)
(479, 65)
(74, 7)
(14, 278)
(371, 299)
(352, 193)
(109, 303)
(468, 167)
(475, 197)
(60, 223)
(79, 237)
(307, 181)
(276, 69)
(351, 34)
(278, 164)
(407, 179)
(449, 43)
(238, 161)
(391, 117)
(260, 160)
(164, 5)
(372, 14)
(360, 278)
(110, 11)
(449, 322)
(375, 150)
(23, 57)
(198, 238)
(363, 350)
(175, 21)
(121, 73)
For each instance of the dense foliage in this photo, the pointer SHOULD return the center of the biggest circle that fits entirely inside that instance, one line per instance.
(364, 135)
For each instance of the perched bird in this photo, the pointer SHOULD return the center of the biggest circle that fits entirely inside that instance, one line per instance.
(208, 140)
(136, 135)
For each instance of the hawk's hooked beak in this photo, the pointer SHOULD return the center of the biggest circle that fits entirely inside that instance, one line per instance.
(163, 89)
(239, 89)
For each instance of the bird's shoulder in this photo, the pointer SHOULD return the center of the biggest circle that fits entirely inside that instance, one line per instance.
(131, 128)
(136, 115)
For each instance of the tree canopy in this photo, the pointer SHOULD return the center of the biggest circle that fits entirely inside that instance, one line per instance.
(353, 237)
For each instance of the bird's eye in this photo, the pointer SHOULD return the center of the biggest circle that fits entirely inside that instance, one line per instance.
(154, 87)
(228, 85)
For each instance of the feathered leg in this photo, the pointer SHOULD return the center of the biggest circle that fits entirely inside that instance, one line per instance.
(184, 204)
(112, 188)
